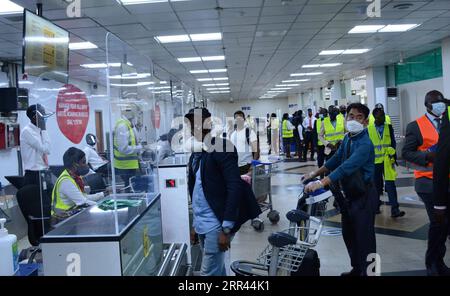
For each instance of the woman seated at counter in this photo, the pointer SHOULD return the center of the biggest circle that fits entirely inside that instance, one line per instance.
(68, 193)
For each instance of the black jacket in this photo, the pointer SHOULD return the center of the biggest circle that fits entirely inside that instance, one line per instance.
(413, 140)
(230, 198)
(442, 166)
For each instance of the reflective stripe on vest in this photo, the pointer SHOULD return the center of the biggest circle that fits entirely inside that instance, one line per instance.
(332, 134)
(58, 206)
(285, 132)
(380, 143)
(430, 137)
(121, 160)
(318, 128)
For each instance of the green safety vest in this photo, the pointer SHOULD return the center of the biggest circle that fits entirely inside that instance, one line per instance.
(285, 132)
(121, 160)
(58, 206)
(372, 119)
(332, 134)
(384, 153)
(318, 128)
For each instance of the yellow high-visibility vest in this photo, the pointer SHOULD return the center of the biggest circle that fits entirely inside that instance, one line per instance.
(318, 128)
(286, 133)
(58, 206)
(121, 160)
(384, 153)
(334, 135)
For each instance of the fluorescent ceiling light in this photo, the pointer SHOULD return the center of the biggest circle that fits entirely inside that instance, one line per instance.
(287, 85)
(100, 66)
(398, 28)
(281, 88)
(330, 65)
(366, 29)
(9, 7)
(276, 91)
(172, 38)
(190, 60)
(223, 88)
(306, 74)
(295, 80)
(143, 83)
(131, 76)
(356, 51)
(311, 66)
(133, 2)
(206, 37)
(204, 79)
(213, 88)
(82, 45)
(208, 71)
(220, 78)
(330, 52)
(213, 58)
(210, 84)
(163, 82)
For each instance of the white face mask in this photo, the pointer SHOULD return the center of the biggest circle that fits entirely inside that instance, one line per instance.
(354, 126)
(438, 108)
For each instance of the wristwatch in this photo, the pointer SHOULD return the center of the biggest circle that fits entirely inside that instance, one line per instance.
(226, 230)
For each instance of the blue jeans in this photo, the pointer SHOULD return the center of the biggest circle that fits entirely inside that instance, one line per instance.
(213, 262)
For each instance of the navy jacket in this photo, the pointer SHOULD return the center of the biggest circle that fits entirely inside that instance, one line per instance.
(230, 198)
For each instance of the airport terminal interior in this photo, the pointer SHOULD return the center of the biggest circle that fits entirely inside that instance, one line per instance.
(107, 107)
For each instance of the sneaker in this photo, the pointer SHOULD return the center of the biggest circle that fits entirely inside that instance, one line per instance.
(398, 214)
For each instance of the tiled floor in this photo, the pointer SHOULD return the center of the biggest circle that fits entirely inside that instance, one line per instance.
(401, 242)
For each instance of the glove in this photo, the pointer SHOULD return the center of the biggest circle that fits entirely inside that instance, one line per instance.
(313, 186)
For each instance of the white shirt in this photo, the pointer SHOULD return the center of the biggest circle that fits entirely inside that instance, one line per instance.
(122, 137)
(306, 125)
(71, 195)
(300, 131)
(244, 150)
(433, 118)
(34, 144)
(93, 158)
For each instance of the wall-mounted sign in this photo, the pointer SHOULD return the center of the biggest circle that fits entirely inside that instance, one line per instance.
(46, 48)
(293, 105)
(156, 117)
(246, 108)
(72, 113)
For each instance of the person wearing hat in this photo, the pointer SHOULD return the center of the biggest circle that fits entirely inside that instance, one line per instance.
(422, 136)
(35, 145)
(372, 119)
(94, 160)
(216, 191)
(382, 136)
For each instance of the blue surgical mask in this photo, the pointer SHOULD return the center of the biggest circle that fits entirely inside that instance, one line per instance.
(438, 108)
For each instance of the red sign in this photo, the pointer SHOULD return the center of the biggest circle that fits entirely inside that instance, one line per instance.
(156, 117)
(72, 112)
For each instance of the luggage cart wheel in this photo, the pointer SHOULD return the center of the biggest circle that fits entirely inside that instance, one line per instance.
(258, 224)
(274, 217)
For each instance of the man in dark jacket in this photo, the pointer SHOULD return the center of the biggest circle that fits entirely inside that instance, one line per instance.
(422, 136)
(221, 203)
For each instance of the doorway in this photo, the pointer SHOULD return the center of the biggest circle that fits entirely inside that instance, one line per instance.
(99, 131)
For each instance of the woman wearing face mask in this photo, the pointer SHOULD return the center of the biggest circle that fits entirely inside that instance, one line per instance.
(68, 192)
(353, 160)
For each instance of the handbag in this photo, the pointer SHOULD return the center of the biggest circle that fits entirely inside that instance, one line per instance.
(353, 186)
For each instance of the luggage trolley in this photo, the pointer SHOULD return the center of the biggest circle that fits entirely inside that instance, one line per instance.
(286, 252)
(262, 188)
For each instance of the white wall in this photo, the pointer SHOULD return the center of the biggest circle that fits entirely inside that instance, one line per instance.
(412, 96)
(259, 108)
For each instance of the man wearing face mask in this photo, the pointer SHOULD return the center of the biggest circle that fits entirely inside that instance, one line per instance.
(35, 145)
(353, 167)
(68, 193)
(421, 140)
(126, 146)
(332, 132)
(216, 191)
(323, 113)
(245, 141)
(382, 135)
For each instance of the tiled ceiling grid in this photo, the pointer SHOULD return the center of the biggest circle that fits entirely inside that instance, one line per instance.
(263, 40)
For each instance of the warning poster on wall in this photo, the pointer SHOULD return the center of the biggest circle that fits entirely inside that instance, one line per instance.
(72, 113)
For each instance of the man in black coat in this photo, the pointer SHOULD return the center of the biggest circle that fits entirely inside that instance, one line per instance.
(221, 200)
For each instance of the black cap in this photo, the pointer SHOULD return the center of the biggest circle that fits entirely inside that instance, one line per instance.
(31, 111)
(195, 111)
(91, 139)
(379, 106)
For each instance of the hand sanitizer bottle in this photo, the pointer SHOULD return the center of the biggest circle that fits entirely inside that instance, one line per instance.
(9, 257)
